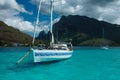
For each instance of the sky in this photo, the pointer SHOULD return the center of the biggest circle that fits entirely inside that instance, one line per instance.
(21, 14)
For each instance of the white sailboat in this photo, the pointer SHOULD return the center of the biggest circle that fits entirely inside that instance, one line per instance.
(56, 51)
(104, 45)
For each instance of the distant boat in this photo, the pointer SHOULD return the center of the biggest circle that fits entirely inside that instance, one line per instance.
(56, 51)
(104, 45)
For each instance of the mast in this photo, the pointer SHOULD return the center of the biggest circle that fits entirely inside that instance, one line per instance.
(37, 21)
(51, 22)
(103, 34)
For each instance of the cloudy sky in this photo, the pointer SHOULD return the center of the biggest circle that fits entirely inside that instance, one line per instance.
(21, 14)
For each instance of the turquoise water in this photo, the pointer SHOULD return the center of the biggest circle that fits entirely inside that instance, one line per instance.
(85, 64)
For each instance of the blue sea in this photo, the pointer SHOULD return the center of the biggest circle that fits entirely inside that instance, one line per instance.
(85, 64)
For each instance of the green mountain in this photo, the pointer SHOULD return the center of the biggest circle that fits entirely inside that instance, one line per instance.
(85, 31)
(10, 36)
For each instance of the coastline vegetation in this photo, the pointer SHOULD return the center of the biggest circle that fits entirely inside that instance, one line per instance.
(80, 30)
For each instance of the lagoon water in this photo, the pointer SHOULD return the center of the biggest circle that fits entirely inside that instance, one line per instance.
(85, 64)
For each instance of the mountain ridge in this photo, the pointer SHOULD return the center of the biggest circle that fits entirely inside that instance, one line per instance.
(85, 31)
(10, 36)
(90, 27)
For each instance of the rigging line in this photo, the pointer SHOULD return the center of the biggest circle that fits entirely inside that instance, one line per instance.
(37, 21)
(27, 53)
(103, 40)
(21, 59)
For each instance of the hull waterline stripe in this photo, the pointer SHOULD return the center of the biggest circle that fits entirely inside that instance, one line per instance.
(51, 54)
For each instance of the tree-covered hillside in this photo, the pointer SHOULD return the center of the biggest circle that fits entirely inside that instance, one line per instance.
(85, 31)
(10, 36)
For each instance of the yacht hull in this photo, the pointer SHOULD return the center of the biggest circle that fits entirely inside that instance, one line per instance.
(50, 55)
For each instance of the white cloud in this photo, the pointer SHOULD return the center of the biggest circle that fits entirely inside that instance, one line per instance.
(45, 25)
(111, 12)
(9, 13)
(12, 4)
(20, 24)
(16, 21)
(107, 10)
